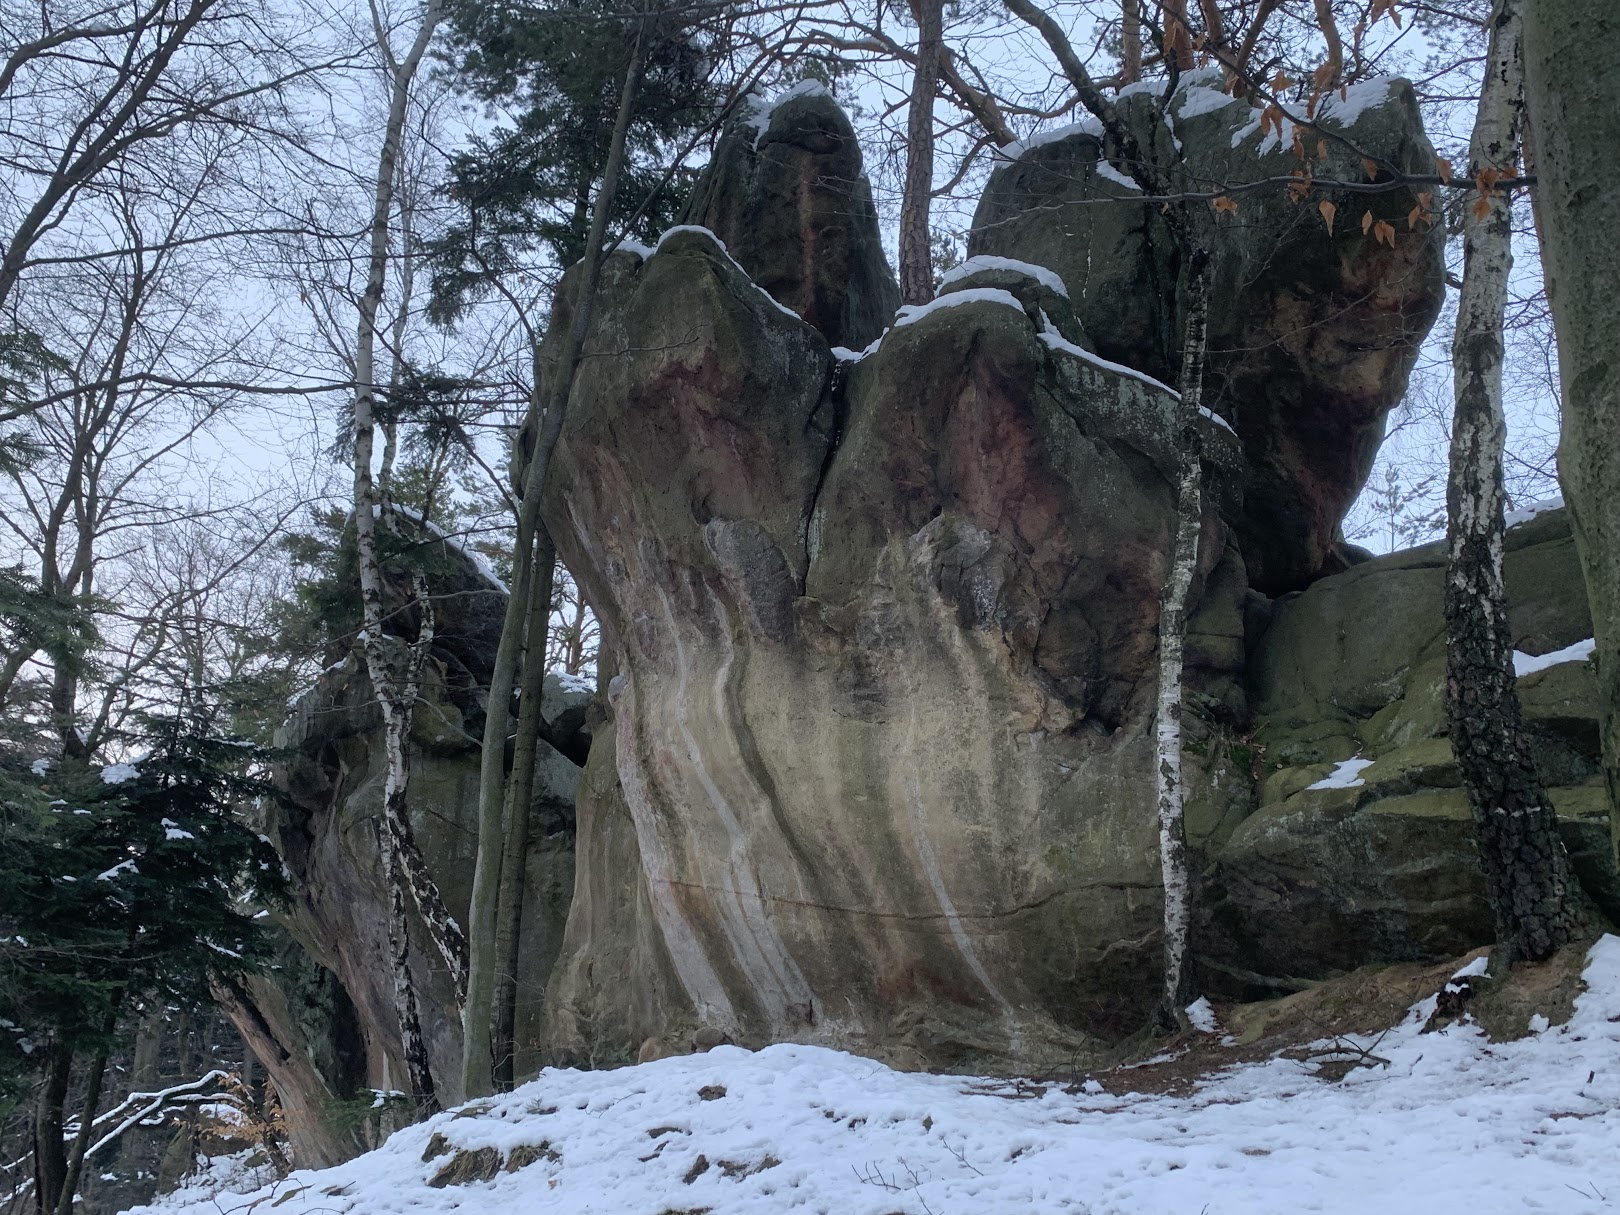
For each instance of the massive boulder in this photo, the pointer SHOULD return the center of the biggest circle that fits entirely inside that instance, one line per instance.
(1360, 847)
(323, 1021)
(874, 766)
(1574, 105)
(787, 196)
(884, 630)
(1314, 326)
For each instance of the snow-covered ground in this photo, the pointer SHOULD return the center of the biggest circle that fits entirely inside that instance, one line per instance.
(1452, 1123)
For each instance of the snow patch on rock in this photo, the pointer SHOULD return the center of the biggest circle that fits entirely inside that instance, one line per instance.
(910, 314)
(986, 261)
(1528, 664)
(1346, 775)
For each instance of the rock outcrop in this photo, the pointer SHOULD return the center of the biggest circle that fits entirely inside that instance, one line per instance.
(1360, 847)
(884, 630)
(1574, 104)
(1314, 331)
(787, 196)
(323, 1022)
(874, 766)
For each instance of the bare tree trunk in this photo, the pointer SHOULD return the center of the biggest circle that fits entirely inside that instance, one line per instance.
(1172, 647)
(520, 794)
(1333, 69)
(1214, 28)
(412, 1044)
(1528, 880)
(1191, 226)
(916, 251)
(394, 667)
(87, 1117)
(1130, 41)
(1574, 95)
(1240, 64)
(1178, 48)
(476, 1061)
(1191, 229)
(50, 1156)
(575, 659)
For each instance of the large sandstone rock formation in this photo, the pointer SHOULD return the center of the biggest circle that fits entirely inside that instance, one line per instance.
(874, 767)
(1312, 335)
(884, 630)
(323, 1023)
(1379, 864)
(1573, 92)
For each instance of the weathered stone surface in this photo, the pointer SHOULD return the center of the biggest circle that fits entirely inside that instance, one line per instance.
(1319, 881)
(1574, 106)
(1312, 335)
(324, 1022)
(885, 639)
(787, 196)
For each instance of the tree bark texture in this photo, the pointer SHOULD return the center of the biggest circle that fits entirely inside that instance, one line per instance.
(1572, 81)
(916, 251)
(412, 1044)
(1335, 46)
(1528, 879)
(1172, 646)
(1178, 43)
(477, 1064)
(1130, 41)
(520, 794)
(50, 1153)
(394, 667)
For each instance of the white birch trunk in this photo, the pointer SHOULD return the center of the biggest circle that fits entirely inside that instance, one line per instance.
(395, 668)
(1172, 646)
(1528, 881)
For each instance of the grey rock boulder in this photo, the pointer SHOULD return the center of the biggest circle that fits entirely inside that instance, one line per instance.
(1312, 335)
(787, 195)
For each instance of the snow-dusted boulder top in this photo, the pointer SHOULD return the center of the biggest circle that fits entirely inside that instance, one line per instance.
(1312, 335)
(787, 195)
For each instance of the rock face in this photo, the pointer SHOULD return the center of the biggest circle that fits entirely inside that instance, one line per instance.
(874, 768)
(884, 632)
(1313, 334)
(786, 195)
(1380, 865)
(324, 1022)
(1574, 97)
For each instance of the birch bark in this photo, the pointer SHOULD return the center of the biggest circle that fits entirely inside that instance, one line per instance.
(1528, 880)
(394, 667)
(1192, 229)
(1172, 648)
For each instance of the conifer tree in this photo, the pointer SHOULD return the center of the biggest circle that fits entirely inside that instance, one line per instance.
(120, 884)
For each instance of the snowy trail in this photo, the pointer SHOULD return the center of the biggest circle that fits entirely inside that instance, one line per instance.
(1455, 1123)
